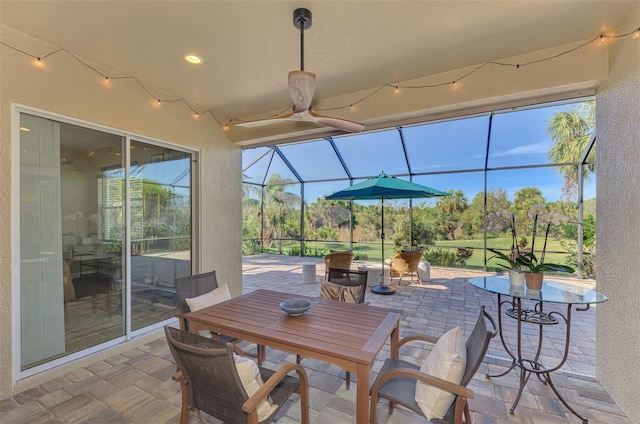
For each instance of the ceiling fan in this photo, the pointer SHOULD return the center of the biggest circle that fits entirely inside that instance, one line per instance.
(301, 87)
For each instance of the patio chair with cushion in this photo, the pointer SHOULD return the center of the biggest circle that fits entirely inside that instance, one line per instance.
(230, 387)
(346, 286)
(438, 389)
(199, 291)
(406, 263)
(340, 260)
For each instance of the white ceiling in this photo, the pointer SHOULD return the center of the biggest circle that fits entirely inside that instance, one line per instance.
(250, 46)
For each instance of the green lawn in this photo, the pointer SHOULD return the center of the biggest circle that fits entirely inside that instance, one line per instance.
(372, 250)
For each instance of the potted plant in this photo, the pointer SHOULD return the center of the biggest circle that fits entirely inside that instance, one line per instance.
(501, 220)
(537, 266)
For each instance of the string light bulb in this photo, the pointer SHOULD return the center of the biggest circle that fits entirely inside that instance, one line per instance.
(636, 35)
(196, 115)
(603, 38)
(396, 91)
(38, 63)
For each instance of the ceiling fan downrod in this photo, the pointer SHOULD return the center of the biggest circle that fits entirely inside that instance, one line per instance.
(302, 20)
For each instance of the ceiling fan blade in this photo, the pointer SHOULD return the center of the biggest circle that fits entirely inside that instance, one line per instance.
(341, 124)
(302, 84)
(262, 122)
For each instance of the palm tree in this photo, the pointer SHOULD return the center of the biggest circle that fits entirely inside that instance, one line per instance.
(280, 208)
(571, 131)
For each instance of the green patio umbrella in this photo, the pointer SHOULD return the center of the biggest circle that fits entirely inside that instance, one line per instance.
(385, 187)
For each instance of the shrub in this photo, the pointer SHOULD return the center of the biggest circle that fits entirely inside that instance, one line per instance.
(446, 257)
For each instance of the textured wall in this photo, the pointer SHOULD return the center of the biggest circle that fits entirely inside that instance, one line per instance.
(618, 227)
(66, 88)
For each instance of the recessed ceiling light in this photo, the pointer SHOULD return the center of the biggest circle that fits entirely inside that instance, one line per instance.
(193, 58)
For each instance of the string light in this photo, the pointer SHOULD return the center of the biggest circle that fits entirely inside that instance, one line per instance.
(39, 61)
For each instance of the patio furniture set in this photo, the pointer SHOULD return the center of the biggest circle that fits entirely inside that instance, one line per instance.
(339, 328)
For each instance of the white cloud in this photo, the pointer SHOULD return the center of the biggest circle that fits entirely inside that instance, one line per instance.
(528, 149)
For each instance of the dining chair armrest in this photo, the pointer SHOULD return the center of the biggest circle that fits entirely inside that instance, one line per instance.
(179, 377)
(252, 403)
(445, 385)
(239, 351)
(418, 338)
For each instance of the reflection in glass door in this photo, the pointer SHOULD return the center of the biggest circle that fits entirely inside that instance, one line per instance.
(71, 230)
(79, 288)
(160, 230)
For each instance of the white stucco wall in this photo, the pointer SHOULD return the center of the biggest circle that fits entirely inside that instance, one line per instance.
(67, 88)
(618, 225)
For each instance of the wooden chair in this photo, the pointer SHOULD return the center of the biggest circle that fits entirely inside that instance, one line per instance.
(397, 379)
(406, 263)
(340, 260)
(346, 286)
(210, 382)
(196, 285)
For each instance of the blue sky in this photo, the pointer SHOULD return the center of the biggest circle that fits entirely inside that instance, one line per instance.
(517, 139)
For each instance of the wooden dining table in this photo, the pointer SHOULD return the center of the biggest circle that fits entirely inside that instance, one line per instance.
(347, 335)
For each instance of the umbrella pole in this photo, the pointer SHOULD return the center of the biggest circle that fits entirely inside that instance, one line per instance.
(382, 288)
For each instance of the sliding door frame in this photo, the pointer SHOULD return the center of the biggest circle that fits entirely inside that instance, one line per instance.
(16, 111)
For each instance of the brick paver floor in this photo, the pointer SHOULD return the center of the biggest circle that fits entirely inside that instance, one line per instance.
(135, 386)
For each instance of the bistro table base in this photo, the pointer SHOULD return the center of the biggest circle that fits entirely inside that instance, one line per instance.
(529, 367)
(529, 363)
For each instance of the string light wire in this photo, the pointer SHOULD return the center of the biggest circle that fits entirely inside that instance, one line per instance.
(225, 123)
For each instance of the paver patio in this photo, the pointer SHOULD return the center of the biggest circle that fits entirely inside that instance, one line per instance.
(135, 386)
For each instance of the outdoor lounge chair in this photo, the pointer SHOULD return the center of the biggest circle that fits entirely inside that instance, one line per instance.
(406, 263)
(397, 379)
(196, 285)
(212, 379)
(340, 260)
(346, 286)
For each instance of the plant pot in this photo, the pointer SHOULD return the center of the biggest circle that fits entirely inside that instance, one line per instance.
(517, 291)
(516, 278)
(533, 280)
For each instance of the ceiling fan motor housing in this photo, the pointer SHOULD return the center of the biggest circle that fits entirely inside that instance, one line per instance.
(302, 16)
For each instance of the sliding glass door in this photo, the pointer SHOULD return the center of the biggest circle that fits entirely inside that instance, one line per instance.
(84, 194)
(160, 230)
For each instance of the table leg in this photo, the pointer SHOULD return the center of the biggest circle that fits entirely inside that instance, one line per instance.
(362, 394)
(504, 343)
(528, 367)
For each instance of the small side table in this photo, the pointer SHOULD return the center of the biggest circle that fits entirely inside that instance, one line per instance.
(530, 363)
(373, 274)
(309, 273)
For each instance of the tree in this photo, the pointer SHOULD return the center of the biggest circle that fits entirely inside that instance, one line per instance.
(449, 211)
(496, 199)
(280, 209)
(571, 130)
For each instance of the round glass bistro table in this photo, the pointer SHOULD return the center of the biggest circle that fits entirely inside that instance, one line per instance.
(529, 363)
